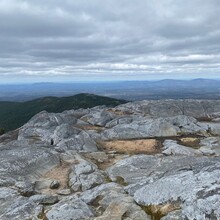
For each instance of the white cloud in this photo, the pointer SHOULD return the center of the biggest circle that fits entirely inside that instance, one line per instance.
(105, 38)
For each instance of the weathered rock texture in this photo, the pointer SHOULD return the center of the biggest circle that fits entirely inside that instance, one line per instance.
(192, 181)
(168, 108)
(80, 164)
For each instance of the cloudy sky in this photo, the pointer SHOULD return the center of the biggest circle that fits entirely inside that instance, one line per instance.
(108, 39)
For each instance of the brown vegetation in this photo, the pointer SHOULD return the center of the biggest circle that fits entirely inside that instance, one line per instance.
(158, 211)
(59, 173)
(147, 146)
(205, 119)
(190, 142)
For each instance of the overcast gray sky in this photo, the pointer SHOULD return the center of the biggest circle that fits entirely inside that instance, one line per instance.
(49, 40)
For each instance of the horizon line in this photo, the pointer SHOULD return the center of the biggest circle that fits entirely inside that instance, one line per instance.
(105, 81)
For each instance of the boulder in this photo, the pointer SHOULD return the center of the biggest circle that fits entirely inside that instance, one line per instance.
(55, 184)
(113, 202)
(160, 127)
(138, 170)
(85, 175)
(25, 163)
(189, 180)
(125, 206)
(198, 192)
(81, 142)
(170, 147)
(213, 128)
(16, 207)
(25, 188)
(41, 184)
(78, 113)
(44, 199)
(42, 125)
(58, 130)
(127, 119)
(210, 146)
(64, 192)
(98, 117)
(70, 208)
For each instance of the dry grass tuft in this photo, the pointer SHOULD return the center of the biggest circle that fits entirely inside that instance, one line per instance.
(191, 142)
(59, 173)
(205, 119)
(146, 146)
(158, 211)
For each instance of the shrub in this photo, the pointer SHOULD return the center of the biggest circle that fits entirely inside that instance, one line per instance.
(2, 131)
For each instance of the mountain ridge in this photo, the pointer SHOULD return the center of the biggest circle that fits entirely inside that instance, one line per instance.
(128, 90)
(15, 114)
(107, 162)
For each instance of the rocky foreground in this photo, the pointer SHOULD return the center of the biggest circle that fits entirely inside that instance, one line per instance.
(137, 161)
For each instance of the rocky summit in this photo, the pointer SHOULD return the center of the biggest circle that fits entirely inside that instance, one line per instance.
(145, 160)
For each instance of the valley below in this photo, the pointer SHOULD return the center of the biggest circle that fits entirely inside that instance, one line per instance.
(142, 160)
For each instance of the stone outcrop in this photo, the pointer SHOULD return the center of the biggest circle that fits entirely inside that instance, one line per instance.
(16, 207)
(190, 181)
(25, 163)
(169, 108)
(159, 127)
(138, 161)
(112, 198)
(171, 147)
(85, 175)
(70, 208)
(210, 146)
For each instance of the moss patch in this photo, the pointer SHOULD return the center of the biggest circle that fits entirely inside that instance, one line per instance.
(120, 180)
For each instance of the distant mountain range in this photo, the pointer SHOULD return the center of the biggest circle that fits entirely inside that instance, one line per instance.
(128, 90)
(16, 107)
(15, 114)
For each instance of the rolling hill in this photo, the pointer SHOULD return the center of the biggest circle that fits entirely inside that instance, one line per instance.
(15, 114)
